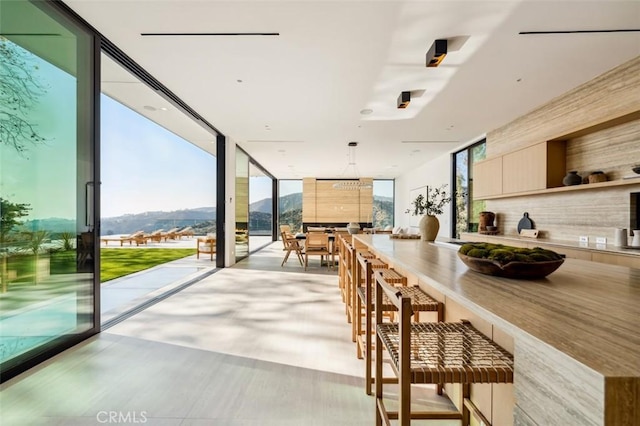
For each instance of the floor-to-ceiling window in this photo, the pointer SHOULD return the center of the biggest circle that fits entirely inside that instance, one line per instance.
(466, 211)
(260, 207)
(383, 202)
(290, 204)
(158, 178)
(46, 183)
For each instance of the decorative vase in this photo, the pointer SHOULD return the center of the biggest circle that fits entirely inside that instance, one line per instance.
(572, 178)
(596, 177)
(486, 220)
(353, 228)
(429, 226)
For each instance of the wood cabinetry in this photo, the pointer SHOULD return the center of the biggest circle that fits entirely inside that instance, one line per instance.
(487, 178)
(540, 166)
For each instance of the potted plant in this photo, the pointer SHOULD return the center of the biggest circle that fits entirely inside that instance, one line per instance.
(429, 207)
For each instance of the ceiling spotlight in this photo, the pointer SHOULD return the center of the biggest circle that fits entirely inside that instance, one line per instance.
(366, 111)
(436, 53)
(404, 99)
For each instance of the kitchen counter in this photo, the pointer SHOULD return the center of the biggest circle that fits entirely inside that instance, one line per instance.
(576, 332)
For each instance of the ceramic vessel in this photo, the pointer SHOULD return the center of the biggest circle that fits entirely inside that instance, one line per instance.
(572, 178)
(486, 220)
(621, 237)
(353, 228)
(596, 177)
(429, 226)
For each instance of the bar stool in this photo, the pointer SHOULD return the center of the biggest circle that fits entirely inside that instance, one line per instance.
(362, 260)
(432, 353)
(350, 295)
(420, 302)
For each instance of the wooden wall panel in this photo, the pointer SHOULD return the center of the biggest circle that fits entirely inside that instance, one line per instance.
(321, 202)
(242, 199)
(612, 94)
(308, 200)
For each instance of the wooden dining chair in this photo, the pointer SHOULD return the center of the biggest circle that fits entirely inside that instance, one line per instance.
(291, 244)
(317, 244)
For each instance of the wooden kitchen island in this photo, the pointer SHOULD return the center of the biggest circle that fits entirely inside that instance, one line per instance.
(575, 335)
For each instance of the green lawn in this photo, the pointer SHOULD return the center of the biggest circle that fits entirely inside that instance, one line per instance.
(23, 291)
(117, 262)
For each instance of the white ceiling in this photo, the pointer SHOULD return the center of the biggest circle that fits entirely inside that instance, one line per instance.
(301, 94)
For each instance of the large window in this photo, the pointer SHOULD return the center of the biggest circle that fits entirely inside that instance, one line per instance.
(383, 202)
(46, 183)
(260, 207)
(290, 203)
(466, 211)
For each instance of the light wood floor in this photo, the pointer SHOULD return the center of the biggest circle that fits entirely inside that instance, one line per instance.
(255, 344)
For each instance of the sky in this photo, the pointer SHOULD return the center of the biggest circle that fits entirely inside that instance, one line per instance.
(147, 168)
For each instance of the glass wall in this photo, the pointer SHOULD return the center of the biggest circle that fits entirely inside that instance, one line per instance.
(383, 202)
(290, 204)
(242, 204)
(155, 183)
(466, 212)
(46, 183)
(260, 208)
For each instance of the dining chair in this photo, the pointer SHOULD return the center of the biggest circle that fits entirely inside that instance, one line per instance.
(291, 244)
(317, 244)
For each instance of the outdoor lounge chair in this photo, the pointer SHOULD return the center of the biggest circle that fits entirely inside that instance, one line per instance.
(171, 233)
(186, 232)
(137, 237)
(155, 235)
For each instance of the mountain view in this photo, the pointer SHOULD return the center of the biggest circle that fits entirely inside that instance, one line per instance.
(202, 219)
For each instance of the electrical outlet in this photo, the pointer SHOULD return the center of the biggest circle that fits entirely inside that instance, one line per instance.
(584, 239)
(601, 240)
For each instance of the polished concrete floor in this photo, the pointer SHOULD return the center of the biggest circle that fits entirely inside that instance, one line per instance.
(255, 344)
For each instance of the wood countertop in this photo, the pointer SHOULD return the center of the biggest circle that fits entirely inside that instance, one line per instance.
(587, 310)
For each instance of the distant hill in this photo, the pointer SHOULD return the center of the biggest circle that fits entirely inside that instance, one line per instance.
(150, 221)
(202, 219)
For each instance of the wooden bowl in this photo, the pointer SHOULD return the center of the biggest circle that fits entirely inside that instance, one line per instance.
(520, 270)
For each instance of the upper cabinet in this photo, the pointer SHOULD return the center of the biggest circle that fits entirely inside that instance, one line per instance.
(487, 178)
(610, 146)
(533, 168)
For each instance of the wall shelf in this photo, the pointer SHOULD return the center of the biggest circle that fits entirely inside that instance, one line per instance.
(583, 187)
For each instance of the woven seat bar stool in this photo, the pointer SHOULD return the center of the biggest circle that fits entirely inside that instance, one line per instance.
(433, 353)
(356, 288)
(340, 245)
(420, 302)
(352, 284)
(349, 257)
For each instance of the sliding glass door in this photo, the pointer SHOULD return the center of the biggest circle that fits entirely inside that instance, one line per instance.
(47, 191)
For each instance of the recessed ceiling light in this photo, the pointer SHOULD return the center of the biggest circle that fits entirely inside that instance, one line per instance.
(163, 109)
(415, 150)
(281, 150)
(239, 81)
(149, 108)
(366, 111)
